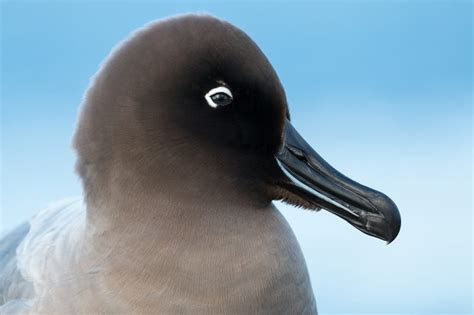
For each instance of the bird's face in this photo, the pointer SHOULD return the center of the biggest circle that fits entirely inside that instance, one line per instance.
(193, 101)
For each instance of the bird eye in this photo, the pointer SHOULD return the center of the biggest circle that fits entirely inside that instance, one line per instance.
(219, 96)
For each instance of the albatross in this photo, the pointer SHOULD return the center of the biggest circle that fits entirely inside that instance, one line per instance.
(184, 140)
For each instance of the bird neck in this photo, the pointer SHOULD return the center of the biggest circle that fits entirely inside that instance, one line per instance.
(169, 201)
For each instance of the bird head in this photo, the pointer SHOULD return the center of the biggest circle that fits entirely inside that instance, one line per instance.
(190, 108)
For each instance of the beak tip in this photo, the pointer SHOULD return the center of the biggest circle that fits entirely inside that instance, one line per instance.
(388, 224)
(392, 237)
(392, 215)
(394, 232)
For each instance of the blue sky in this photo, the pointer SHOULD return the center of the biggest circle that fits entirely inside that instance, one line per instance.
(381, 89)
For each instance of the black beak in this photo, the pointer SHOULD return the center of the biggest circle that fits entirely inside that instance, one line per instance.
(313, 179)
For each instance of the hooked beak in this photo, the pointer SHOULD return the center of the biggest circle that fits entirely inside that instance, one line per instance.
(310, 177)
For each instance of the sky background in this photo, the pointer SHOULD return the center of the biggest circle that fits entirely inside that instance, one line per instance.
(381, 89)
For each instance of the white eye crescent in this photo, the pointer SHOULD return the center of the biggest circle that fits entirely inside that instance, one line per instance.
(219, 96)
